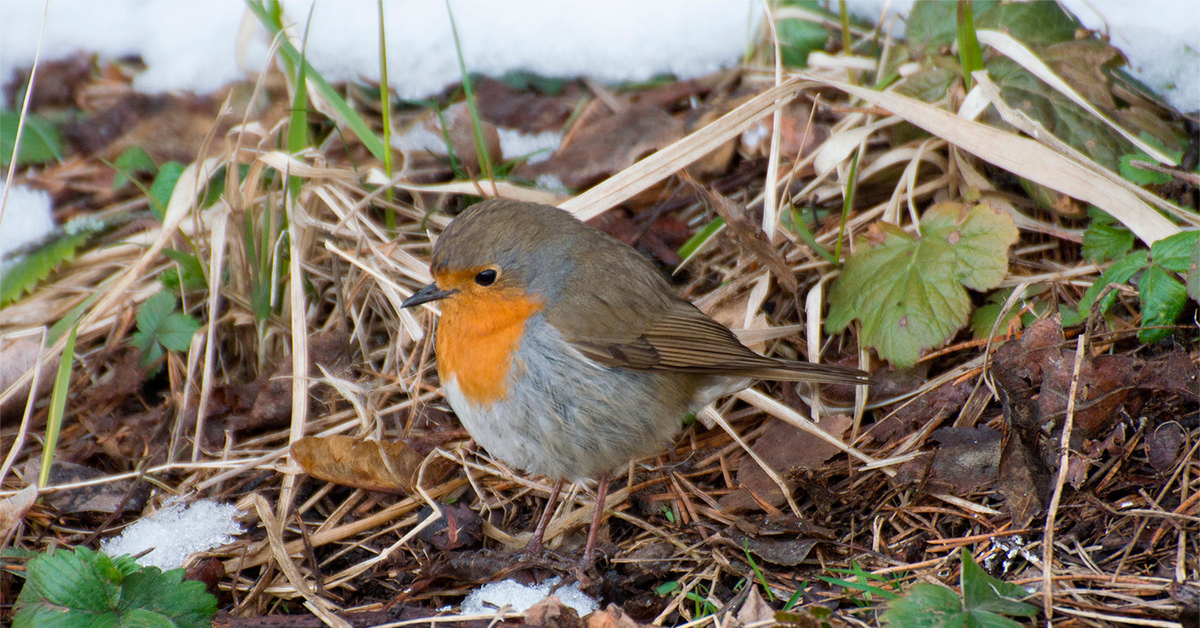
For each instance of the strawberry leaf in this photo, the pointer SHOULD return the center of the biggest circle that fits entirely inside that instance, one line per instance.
(910, 293)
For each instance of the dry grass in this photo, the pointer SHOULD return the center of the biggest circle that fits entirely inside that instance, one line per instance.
(1120, 542)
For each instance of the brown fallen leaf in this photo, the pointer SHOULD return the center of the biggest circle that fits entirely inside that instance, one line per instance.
(552, 613)
(1024, 478)
(966, 461)
(13, 509)
(608, 145)
(391, 467)
(525, 111)
(20, 357)
(755, 608)
(611, 617)
(787, 449)
(1163, 443)
(107, 497)
(458, 527)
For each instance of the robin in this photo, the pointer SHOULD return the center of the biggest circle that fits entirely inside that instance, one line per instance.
(566, 353)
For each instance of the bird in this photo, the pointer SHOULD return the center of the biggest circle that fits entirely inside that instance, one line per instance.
(566, 353)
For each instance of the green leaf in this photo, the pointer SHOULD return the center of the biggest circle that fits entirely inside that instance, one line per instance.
(131, 162)
(969, 54)
(1193, 274)
(1140, 176)
(1121, 271)
(925, 606)
(930, 84)
(982, 592)
(1174, 253)
(985, 601)
(932, 24)
(984, 317)
(189, 275)
(1103, 241)
(176, 333)
(1162, 298)
(909, 292)
(1032, 23)
(160, 326)
(798, 37)
(40, 140)
(163, 186)
(85, 589)
(183, 603)
(25, 274)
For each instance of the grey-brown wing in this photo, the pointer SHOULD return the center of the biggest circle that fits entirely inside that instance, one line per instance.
(686, 340)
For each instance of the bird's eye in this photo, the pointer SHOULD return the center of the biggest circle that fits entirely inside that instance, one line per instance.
(486, 277)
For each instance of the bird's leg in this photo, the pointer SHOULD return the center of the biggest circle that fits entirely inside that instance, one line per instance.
(535, 542)
(589, 552)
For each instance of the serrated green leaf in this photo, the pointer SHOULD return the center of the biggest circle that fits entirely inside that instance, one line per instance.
(160, 326)
(1174, 253)
(85, 589)
(1120, 272)
(154, 312)
(910, 293)
(1140, 176)
(925, 606)
(177, 331)
(40, 140)
(25, 274)
(981, 592)
(185, 602)
(1104, 241)
(1162, 298)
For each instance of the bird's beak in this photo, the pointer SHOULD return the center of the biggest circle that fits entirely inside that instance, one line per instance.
(427, 294)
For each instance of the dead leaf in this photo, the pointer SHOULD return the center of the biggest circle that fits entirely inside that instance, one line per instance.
(966, 461)
(524, 111)
(755, 608)
(552, 613)
(1163, 444)
(606, 146)
(611, 617)
(390, 467)
(787, 449)
(1024, 478)
(106, 497)
(13, 509)
(20, 357)
(458, 527)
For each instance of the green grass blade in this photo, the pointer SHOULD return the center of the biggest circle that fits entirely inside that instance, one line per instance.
(481, 151)
(351, 117)
(969, 54)
(58, 403)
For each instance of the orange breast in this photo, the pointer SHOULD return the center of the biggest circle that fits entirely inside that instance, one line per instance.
(476, 339)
